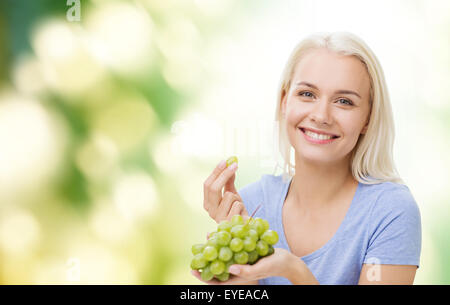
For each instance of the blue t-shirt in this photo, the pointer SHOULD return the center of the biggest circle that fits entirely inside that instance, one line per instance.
(381, 226)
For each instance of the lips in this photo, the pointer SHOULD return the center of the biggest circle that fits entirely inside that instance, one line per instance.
(320, 139)
(319, 132)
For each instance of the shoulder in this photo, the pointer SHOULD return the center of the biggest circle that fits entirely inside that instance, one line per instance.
(394, 226)
(394, 212)
(392, 198)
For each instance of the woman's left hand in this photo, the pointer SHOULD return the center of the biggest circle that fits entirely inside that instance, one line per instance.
(277, 264)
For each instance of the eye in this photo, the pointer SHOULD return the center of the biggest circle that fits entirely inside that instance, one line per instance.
(305, 92)
(347, 101)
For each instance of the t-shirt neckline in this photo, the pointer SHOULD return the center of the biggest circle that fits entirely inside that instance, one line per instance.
(329, 243)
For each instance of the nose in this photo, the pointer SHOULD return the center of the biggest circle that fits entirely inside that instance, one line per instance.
(320, 113)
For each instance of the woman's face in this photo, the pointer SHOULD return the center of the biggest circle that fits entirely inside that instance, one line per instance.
(329, 93)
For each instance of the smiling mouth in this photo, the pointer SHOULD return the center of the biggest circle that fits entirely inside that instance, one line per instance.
(318, 136)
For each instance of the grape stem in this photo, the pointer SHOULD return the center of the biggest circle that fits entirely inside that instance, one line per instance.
(253, 214)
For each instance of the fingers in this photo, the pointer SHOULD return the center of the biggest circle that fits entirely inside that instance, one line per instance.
(213, 185)
(272, 265)
(248, 272)
(225, 205)
(229, 185)
(215, 189)
(223, 177)
(206, 185)
(216, 172)
(237, 208)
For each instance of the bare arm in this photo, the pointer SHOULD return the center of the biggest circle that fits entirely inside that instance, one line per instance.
(387, 274)
(370, 274)
(300, 274)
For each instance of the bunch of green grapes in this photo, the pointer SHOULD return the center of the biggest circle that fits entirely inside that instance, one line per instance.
(234, 242)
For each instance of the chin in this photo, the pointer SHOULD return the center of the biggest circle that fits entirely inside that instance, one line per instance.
(316, 157)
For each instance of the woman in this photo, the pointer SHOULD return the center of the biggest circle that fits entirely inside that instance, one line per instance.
(342, 212)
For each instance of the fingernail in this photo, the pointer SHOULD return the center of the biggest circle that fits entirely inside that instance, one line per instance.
(234, 270)
(233, 166)
(223, 164)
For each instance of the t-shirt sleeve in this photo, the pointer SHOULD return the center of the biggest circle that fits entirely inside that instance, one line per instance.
(251, 195)
(395, 229)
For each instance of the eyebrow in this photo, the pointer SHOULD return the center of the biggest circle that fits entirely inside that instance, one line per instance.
(338, 91)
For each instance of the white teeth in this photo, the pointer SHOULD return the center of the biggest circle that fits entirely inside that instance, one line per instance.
(317, 136)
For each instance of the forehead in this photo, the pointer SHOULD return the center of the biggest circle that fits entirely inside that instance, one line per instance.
(329, 70)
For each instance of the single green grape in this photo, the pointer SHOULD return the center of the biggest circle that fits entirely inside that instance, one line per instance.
(236, 244)
(270, 237)
(252, 256)
(217, 267)
(210, 253)
(266, 224)
(197, 248)
(258, 225)
(225, 254)
(253, 234)
(239, 231)
(237, 220)
(249, 244)
(198, 262)
(262, 248)
(214, 242)
(223, 238)
(241, 257)
(224, 225)
(231, 160)
(223, 276)
(206, 274)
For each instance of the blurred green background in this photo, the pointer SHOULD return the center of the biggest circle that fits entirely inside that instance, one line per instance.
(113, 115)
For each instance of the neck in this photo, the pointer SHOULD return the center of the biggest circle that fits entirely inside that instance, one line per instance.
(315, 185)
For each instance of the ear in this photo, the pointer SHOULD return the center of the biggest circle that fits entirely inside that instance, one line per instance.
(364, 130)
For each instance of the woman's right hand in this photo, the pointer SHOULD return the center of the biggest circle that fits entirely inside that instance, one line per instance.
(222, 207)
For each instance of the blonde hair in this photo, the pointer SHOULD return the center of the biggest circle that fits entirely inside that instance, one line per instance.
(371, 160)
